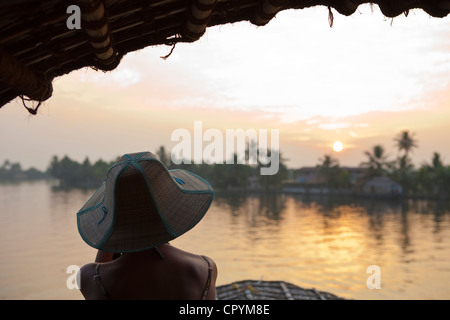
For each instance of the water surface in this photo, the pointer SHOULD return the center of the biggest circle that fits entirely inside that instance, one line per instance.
(323, 243)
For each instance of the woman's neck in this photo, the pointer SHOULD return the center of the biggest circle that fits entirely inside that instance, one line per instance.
(153, 253)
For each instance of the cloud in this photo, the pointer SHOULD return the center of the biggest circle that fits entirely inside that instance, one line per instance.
(334, 126)
(123, 77)
(360, 82)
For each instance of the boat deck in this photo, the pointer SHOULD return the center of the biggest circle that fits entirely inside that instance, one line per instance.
(270, 290)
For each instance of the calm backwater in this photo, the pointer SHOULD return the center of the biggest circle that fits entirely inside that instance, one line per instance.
(323, 243)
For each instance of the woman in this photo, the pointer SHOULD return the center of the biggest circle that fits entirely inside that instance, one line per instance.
(130, 219)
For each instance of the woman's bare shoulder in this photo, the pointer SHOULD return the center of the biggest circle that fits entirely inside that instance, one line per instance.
(87, 273)
(184, 258)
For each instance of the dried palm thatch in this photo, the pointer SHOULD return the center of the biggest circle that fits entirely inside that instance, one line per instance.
(36, 45)
(270, 290)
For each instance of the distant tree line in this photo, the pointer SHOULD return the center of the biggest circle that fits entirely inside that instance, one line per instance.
(430, 179)
(12, 171)
(236, 176)
(86, 174)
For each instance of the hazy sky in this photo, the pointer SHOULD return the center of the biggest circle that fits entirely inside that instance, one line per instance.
(360, 82)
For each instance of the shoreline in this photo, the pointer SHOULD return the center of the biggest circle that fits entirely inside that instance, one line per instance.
(322, 192)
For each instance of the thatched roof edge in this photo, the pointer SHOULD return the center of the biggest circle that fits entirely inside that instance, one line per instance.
(37, 46)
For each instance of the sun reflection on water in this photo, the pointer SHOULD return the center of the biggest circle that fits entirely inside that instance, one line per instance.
(312, 242)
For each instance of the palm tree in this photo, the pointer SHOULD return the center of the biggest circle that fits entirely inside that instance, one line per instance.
(325, 168)
(405, 141)
(333, 174)
(164, 156)
(403, 169)
(327, 162)
(432, 176)
(378, 164)
(403, 173)
(436, 161)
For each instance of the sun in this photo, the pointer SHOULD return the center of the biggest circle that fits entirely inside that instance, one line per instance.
(338, 146)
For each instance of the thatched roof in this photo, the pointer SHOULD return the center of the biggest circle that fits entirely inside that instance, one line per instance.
(36, 45)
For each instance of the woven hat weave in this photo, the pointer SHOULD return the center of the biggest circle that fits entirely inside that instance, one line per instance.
(142, 204)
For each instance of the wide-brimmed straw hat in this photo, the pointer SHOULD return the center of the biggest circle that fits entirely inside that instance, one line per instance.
(142, 204)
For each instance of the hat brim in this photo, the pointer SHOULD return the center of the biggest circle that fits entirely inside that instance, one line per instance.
(125, 219)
